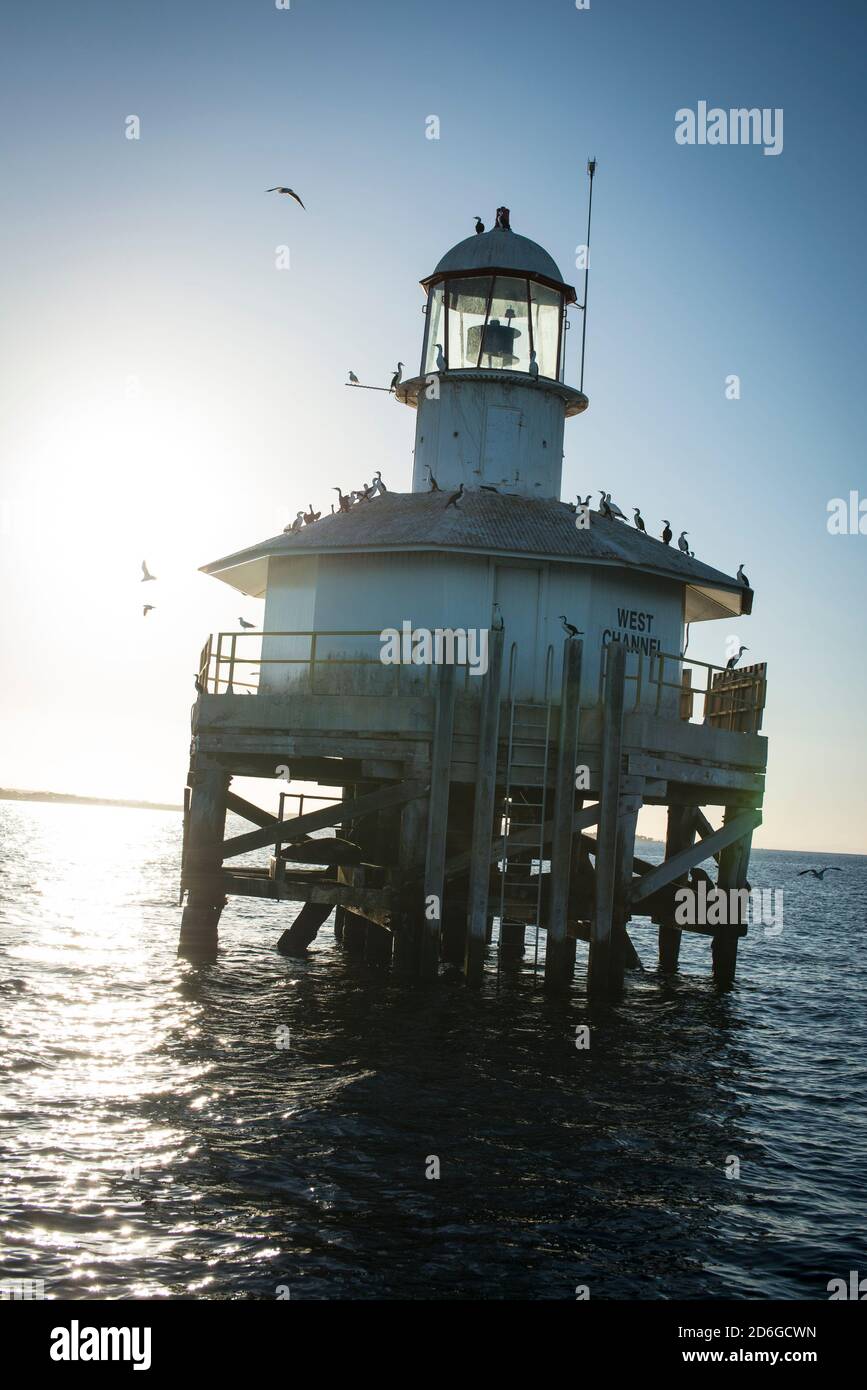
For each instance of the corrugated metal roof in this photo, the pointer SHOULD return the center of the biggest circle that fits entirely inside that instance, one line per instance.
(489, 523)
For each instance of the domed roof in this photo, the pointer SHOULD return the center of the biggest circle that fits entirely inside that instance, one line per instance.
(499, 250)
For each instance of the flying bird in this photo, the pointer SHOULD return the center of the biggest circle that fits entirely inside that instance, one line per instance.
(733, 660)
(569, 628)
(454, 499)
(681, 541)
(441, 361)
(667, 533)
(742, 577)
(290, 191)
(639, 521)
(395, 380)
(480, 226)
(145, 572)
(245, 624)
(148, 608)
(353, 378)
(820, 873)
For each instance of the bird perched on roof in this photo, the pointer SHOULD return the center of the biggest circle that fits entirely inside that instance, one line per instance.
(488, 487)
(820, 873)
(667, 532)
(296, 524)
(480, 226)
(613, 510)
(311, 516)
(362, 494)
(639, 521)
(534, 365)
(503, 219)
(395, 380)
(569, 628)
(455, 498)
(604, 507)
(742, 577)
(378, 484)
(733, 660)
(681, 542)
(145, 572)
(584, 501)
(343, 502)
(497, 619)
(290, 191)
(148, 608)
(243, 623)
(441, 361)
(353, 378)
(434, 485)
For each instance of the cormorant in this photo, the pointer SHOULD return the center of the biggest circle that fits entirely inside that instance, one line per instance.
(395, 380)
(569, 628)
(667, 533)
(455, 497)
(681, 541)
(638, 520)
(733, 660)
(480, 226)
(742, 577)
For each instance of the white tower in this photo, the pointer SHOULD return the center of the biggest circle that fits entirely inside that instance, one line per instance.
(490, 394)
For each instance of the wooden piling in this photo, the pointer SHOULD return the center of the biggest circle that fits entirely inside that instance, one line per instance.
(203, 861)
(411, 859)
(680, 834)
(437, 823)
(601, 969)
(734, 863)
(483, 810)
(560, 948)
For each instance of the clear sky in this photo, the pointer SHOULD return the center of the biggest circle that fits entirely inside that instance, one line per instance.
(166, 392)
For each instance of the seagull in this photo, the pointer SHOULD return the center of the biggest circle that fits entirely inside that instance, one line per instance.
(145, 572)
(148, 608)
(613, 509)
(378, 484)
(353, 378)
(667, 533)
(534, 365)
(638, 520)
(434, 485)
(742, 577)
(311, 516)
(681, 541)
(395, 380)
(441, 361)
(820, 873)
(453, 500)
(733, 660)
(343, 501)
(291, 192)
(245, 624)
(569, 628)
(480, 226)
(296, 524)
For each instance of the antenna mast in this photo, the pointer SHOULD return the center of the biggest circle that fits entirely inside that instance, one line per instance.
(591, 170)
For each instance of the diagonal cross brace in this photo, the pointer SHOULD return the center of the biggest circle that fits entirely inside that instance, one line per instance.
(284, 832)
(687, 858)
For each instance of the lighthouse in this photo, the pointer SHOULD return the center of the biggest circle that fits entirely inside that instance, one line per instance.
(464, 792)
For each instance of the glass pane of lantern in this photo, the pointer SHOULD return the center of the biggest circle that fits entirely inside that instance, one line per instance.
(506, 345)
(434, 330)
(467, 302)
(546, 308)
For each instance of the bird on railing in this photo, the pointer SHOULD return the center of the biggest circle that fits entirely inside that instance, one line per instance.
(311, 516)
(569, 628)
(681, 542)
(733, 660)
(353, 378)
(455, 498)
(639, 522)
(296, 524)
(343, 501)
(148, 608)
(378, 485)
(245, 624)
(742, 577)
(395, 380)
(434, 485)
(145, 572)
(820, 873)
(667, 532)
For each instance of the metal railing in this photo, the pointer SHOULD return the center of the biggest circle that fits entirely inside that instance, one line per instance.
(727, 699)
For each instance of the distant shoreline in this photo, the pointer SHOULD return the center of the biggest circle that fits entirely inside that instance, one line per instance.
(69, 799)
